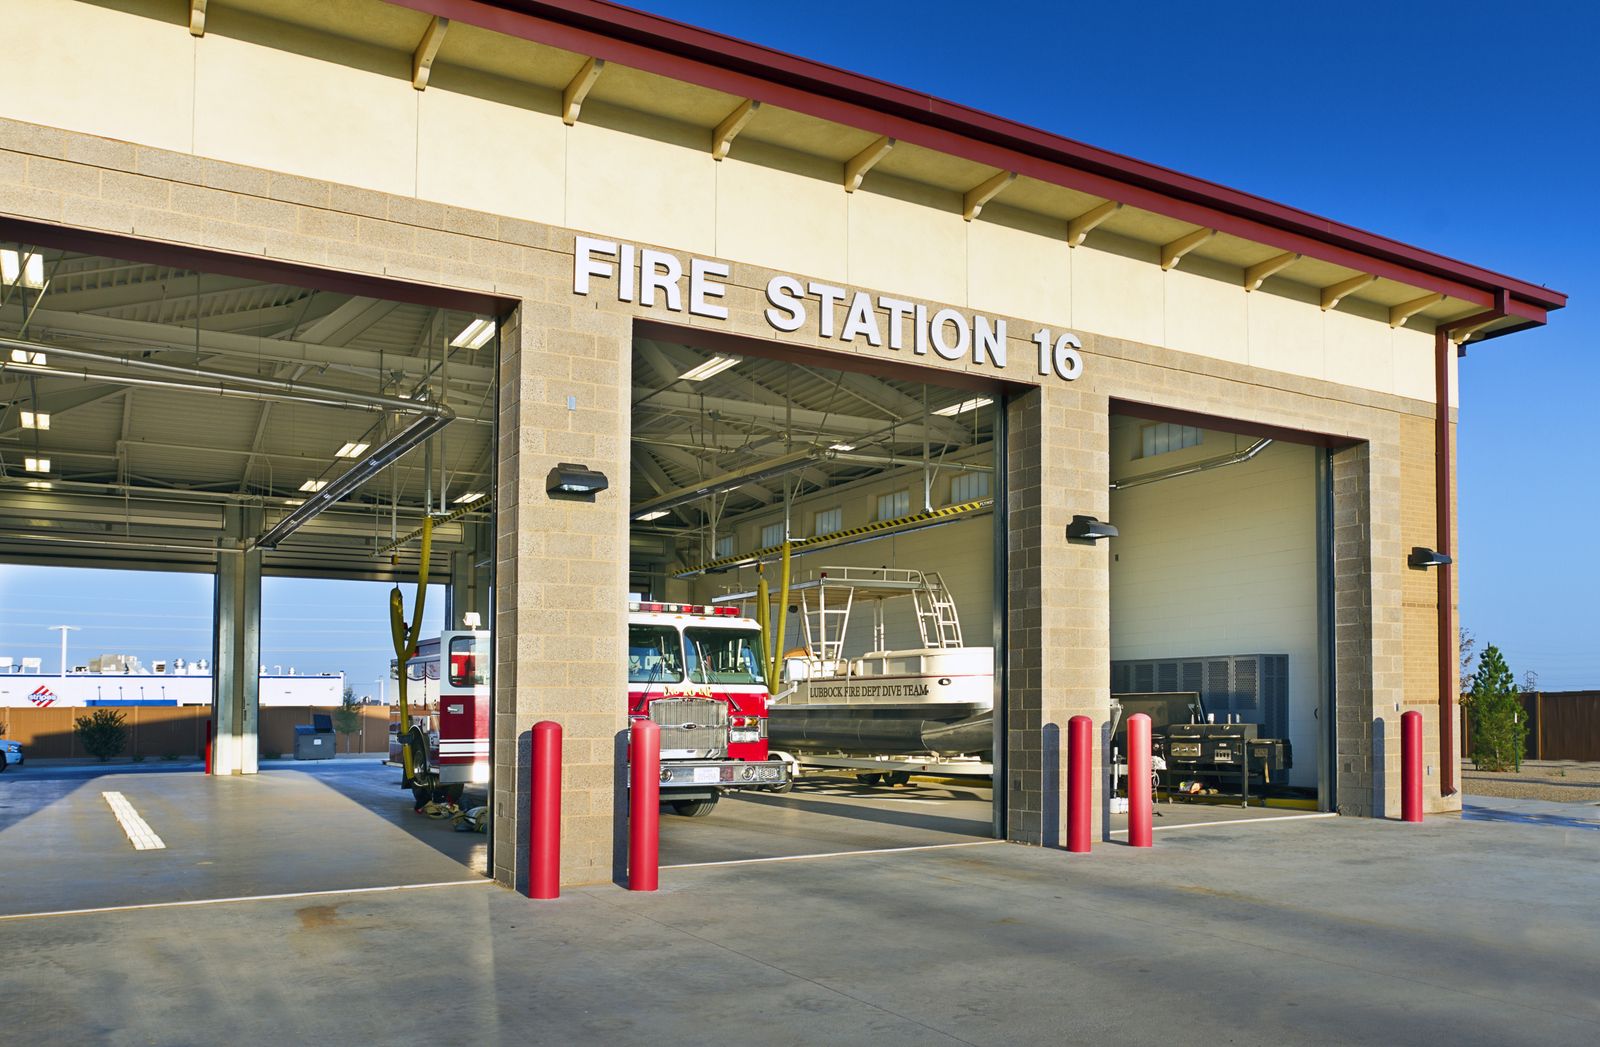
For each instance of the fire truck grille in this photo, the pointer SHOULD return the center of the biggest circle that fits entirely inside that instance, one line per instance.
(696, 724)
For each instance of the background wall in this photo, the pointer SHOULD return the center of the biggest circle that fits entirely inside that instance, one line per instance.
(1220, 562)
(158, 731)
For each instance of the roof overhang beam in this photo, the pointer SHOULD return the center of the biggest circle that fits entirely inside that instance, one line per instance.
(856, 168)
(427, 50)
(1172, 253)
(1257, 274)
(577, 90)
(724, 134)
(1081, 226)
(1333, 294)
(980, 194)
(1399, 314)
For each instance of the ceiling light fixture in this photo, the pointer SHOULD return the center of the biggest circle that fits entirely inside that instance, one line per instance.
(964, 406)
(35, 420)
(313, 486)
(36, 465)
(39, 485)
(474, 335)
(841, 447)
(351, 450)
(714, 366)
(469, 498)
(22, 356)
(658, 514)
(294, 501)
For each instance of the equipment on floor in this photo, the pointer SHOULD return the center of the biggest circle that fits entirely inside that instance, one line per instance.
(1204, 755)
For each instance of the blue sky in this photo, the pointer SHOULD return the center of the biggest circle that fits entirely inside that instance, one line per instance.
(1469, 129)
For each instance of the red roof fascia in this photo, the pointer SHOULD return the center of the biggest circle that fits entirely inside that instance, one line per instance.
(669, 48)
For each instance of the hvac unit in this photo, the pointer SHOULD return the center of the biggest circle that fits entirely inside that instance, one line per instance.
(1254, 686)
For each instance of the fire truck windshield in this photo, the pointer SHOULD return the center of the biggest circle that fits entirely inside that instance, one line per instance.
(724, 656)
(654, 654)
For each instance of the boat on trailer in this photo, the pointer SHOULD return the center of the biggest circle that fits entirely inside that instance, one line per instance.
(888, 712)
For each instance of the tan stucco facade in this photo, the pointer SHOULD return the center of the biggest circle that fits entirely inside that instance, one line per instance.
(327, 158)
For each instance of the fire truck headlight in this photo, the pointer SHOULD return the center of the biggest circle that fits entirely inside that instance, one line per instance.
(666, 774)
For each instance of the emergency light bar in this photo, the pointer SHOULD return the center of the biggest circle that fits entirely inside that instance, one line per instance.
(685, 608)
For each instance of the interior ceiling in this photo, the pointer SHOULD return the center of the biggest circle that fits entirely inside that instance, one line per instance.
(114, 440)
(685, 432)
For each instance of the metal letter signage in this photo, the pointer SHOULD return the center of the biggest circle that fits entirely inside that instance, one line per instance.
(655, 279)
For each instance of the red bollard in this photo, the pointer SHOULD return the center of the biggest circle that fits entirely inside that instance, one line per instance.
(1080, 781)
(208, 746)
(544, 813)
(1140, 811)
(644, 806)
(1411, 766)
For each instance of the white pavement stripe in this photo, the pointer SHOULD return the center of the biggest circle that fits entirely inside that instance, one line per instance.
(832, 854)
(139, 832)
(1235, 821)
(243, 898)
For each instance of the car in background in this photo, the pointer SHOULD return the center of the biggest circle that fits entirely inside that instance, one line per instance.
(10, 753)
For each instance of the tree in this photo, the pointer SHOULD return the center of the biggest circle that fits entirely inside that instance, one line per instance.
(347, 718)
(103, 733)
(1467, 644)
(1499, 725)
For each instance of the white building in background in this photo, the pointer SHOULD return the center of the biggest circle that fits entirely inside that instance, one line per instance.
(123, 680)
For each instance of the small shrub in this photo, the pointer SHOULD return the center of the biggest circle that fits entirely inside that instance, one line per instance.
(103, 733)
(137, 758)
(347, 718)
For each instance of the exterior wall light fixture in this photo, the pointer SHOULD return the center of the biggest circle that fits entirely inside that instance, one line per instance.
(575, 481)
(1422, 558)
(1088, 530)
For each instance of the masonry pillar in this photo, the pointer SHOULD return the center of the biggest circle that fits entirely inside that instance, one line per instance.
(1058, 613)
(236, 646)
(561, 568)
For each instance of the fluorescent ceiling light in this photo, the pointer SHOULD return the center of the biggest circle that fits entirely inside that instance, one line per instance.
(313, 486)
(13, 265)
(351, 450)
(964, 406)
(841, 447)
(294, 501)
(39, 485)
(36, 465)
(658, 514)
(474, 335)
(35, 420)
(469, 497)
(713, 366)
(22, 356)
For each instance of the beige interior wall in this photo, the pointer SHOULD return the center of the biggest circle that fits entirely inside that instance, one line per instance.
(1221, 562)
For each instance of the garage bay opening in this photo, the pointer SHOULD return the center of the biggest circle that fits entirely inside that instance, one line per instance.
(812, 603)
(1218, 618)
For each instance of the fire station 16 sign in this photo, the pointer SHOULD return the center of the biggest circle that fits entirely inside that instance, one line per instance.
(654, 279)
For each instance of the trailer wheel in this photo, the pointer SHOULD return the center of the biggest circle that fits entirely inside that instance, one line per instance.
(694, 808)
(898, 777)
(871, 778)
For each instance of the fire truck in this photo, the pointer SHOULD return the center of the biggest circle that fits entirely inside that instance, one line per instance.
(695, 670)
(452, 673)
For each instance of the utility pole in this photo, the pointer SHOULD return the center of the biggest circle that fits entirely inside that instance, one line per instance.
(65, 629)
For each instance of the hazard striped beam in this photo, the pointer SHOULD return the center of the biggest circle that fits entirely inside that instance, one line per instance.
(772, 552)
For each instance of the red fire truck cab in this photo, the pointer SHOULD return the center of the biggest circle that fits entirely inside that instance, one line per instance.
(697, 671)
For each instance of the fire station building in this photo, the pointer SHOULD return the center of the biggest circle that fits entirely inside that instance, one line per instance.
(627, 306)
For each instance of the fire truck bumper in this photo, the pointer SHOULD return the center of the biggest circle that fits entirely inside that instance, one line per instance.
(681, 776)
